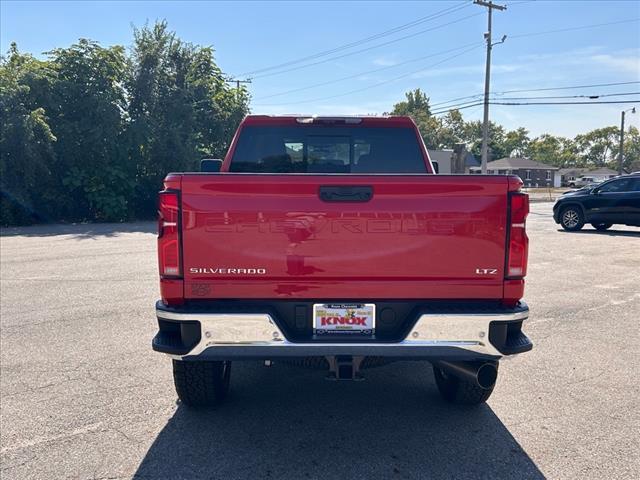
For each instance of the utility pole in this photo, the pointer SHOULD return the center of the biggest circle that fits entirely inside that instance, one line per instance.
(485, 122)
(237, 82)
(621, 154)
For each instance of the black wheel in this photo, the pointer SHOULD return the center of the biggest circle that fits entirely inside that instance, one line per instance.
(571, 218)
(601, 227)
(460, 392)
(201, 384)
(572, 185)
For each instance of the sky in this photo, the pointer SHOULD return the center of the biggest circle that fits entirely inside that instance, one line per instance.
(436, 46)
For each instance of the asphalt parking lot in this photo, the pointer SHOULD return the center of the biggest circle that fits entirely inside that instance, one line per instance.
(84, 397)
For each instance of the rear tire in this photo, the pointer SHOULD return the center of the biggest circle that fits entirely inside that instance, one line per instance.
(458, 391)
(571, 218)
(601, 227)
(201, 384)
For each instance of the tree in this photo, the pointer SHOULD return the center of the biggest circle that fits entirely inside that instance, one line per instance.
(89, 133)
(416, 106)
(632, 150)
(552, 150)
(181, 109)
(515, 142)
(598, 147)
(452, 128)
(87, 116)
(26, 140)
(436, 133)
(473, 139)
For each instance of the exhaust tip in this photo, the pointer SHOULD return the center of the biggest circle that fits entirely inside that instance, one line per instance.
(487, 375)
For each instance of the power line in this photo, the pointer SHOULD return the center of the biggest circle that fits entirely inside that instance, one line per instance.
(366, 72)
(462, 106)
(385, 33)
(375, 84)
(310, 57)
(469, 105)
(567, 103)
(569, 29)
(570, 96)
(572, 87)
(437, 27)
(455, 100)
(356, 75)
(439, 103)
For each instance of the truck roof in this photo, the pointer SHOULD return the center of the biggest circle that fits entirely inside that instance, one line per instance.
(370, 121)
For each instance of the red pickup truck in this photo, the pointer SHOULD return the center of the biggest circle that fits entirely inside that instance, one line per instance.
(332, 242)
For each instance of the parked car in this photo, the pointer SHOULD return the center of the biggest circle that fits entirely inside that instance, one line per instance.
(615, 201)
(583, 182)
(588, 187)
(330, 241)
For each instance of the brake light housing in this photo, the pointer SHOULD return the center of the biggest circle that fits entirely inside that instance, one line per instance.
(517, 240)
(169, 241)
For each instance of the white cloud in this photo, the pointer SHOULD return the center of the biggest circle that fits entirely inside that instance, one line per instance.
(384, 61)
(629, 64)
(562, 55)
(466, 70)
(626, 60)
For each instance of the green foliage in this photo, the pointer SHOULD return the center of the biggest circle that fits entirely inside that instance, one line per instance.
(632, 150)
(26, 140)
(516, 142)
(558, 151)
(89, 133)
(87, 116)
(416, 106)
(598, 147)
(473, 138)
(180, 106)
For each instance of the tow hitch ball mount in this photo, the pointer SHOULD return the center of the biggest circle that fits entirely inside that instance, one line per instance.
(344, 367)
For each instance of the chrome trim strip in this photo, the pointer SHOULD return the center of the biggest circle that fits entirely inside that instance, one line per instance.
(467, 331)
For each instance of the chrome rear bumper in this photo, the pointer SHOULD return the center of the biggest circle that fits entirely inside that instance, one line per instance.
(433, 336)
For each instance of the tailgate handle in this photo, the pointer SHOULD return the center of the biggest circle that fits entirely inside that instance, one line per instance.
(346, 193)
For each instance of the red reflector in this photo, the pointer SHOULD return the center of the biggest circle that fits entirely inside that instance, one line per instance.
(168, 234)
(171, 258)
(518, 250)
(518, 241)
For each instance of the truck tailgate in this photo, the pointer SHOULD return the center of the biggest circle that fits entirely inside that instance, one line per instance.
(272, 235)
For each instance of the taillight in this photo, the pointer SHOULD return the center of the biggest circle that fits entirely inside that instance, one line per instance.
(518, 240)
(169, 234)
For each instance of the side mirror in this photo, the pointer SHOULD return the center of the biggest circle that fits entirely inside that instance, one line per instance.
(436, 168)
(210, 165)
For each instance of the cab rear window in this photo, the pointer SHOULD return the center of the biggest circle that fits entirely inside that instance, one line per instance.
(321, 149)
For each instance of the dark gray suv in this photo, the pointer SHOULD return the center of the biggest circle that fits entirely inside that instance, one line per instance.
(616, 201)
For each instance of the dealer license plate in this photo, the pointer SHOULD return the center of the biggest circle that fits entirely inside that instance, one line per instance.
(344, 318)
